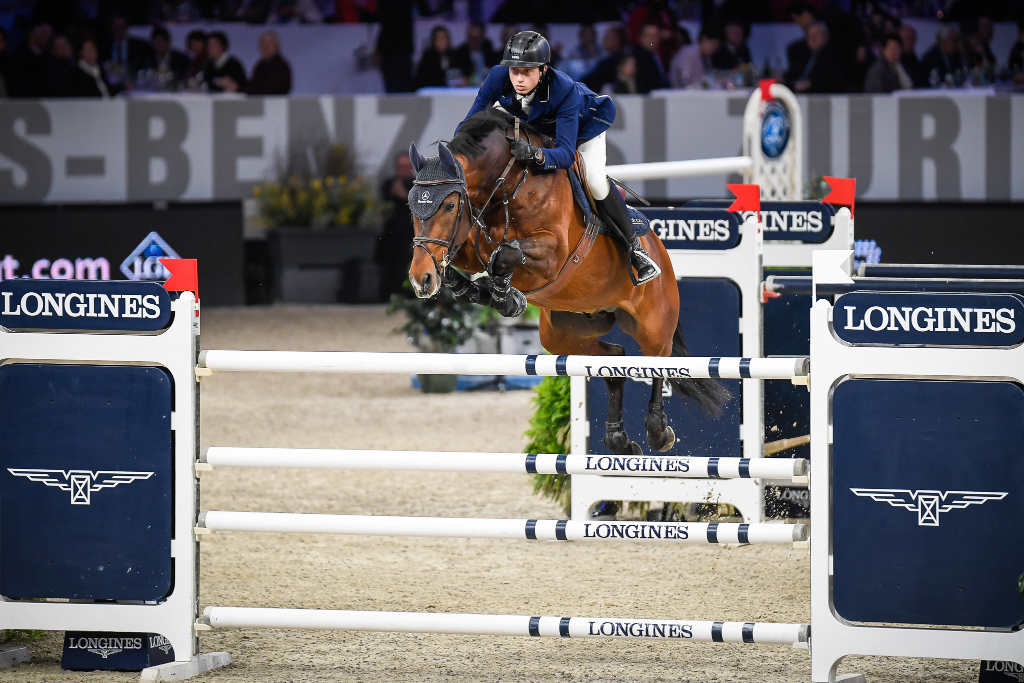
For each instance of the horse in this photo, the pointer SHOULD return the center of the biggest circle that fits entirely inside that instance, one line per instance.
(525, 242)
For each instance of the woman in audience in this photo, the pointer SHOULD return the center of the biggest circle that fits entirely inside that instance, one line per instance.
(436, 61)
(89, 79)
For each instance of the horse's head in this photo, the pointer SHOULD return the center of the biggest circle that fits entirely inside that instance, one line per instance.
(441, 217)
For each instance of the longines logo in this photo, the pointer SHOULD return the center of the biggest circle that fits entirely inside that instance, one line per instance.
(80, 483)
(104, 647)
(929, 504)
(160, 643)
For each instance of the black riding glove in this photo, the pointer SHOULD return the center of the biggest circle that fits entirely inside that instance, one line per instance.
(524, 151)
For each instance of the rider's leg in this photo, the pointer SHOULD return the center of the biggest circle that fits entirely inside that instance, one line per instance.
(612, 208)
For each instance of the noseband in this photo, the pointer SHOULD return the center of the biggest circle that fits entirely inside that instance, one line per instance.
(452, 244)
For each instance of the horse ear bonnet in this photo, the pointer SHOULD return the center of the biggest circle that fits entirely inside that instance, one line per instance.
(425, 199)
(416, 158)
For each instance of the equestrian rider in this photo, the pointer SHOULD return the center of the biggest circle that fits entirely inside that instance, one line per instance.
(525, 86)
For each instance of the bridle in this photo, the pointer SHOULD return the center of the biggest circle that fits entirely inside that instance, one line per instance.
(452, 244)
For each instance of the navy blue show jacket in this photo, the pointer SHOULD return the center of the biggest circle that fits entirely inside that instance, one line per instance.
(562, 108)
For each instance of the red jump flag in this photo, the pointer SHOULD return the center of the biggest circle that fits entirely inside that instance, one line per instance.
(766, 89)
(184, 275)
(844, 191)
(748, 198)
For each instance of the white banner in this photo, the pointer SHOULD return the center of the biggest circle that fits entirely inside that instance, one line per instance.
(919, 146)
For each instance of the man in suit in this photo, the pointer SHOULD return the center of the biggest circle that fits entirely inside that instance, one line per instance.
(814, 67)
(30, 63)
(943, 59)
(125, 56)
(165, 58)
(476, 56)
(909, 59)
(887, 74)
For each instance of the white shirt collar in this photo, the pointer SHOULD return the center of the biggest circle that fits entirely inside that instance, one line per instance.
(223, 60)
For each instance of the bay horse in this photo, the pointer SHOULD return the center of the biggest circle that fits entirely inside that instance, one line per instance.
(522, 226)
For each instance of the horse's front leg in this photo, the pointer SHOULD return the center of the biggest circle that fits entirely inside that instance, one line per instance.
(506, 299)
(660, 435)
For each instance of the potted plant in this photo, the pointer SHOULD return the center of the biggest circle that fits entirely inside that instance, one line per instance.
(438, 325)
(320, 224)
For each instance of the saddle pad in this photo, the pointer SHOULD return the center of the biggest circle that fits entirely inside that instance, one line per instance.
(641, 225)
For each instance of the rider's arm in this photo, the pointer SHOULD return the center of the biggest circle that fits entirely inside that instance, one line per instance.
(567, 126)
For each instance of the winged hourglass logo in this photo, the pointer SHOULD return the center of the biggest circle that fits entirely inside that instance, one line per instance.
(80, 483)
(929, 504)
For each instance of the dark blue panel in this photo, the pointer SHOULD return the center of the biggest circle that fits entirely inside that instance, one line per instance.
(687, 228)
(709, 311)
(85, 482)
(105, 651)
(787, 332)
(949, 547)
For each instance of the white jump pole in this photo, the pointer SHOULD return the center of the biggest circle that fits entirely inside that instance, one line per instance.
(681, 169)
(506, 625)
(528, 529)
(513, 463)
(638, 367)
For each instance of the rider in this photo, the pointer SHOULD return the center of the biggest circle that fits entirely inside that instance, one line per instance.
(526, 86)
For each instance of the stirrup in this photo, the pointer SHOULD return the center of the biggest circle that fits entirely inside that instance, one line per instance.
(642, 255)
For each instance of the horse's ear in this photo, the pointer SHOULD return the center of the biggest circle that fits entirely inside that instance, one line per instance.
(416, 158)
(448, 162)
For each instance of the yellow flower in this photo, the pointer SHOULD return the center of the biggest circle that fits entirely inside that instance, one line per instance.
(330, 180)
(317, 185)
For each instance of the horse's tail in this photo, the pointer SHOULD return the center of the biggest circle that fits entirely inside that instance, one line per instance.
(710, 395)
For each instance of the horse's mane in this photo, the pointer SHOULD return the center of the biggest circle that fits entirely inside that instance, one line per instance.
(469, 141)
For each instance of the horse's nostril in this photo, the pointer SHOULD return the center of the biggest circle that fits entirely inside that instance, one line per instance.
(428, 280)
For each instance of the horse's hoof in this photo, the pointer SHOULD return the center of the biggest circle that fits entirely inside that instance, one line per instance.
(616, 440)
(667, 441)
(636, 448)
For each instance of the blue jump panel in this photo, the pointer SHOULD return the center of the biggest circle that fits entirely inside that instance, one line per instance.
(928, 498)
(85, 482)
(708, 312)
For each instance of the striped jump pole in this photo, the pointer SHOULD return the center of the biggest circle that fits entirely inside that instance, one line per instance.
(637, 367)
(528, 529)
(529, 463)
(507, 625)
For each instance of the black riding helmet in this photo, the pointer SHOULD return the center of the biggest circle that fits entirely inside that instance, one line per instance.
(526, 49)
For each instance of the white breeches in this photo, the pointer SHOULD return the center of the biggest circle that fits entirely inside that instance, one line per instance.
(594, 156)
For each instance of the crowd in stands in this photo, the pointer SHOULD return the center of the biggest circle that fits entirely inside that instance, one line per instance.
(80, 61)
(847, 46)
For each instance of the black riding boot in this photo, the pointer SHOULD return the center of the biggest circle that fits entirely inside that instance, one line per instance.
(614, 212)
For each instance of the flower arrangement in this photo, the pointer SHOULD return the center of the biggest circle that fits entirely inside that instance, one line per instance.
(437, 325)
(336, 197)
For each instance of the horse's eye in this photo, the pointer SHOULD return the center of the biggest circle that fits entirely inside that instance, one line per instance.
(449, 207)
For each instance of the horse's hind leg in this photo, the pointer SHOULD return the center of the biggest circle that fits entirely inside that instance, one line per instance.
(660, 435)
(615, 438)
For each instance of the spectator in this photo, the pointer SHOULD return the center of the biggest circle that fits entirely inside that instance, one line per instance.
(584, 57)
(556, 48)
(125, 56)
(734, 51)
(613, 42)
(943, 59)
(5, 64)
(625, 77)
(1016, 59)
(221, 68)
(395, 44)
(846, 37)
(476, 56)
(650, 72)
(693, 61)
(196, 44)
(165, 58)
(89, 80)
(887, 74)
(60, 67)
(29, 63)
(651, 12)
(394, 246)
(814, 66)
(909, 59)
(977, 45)
(436, 61)
(271, 75)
